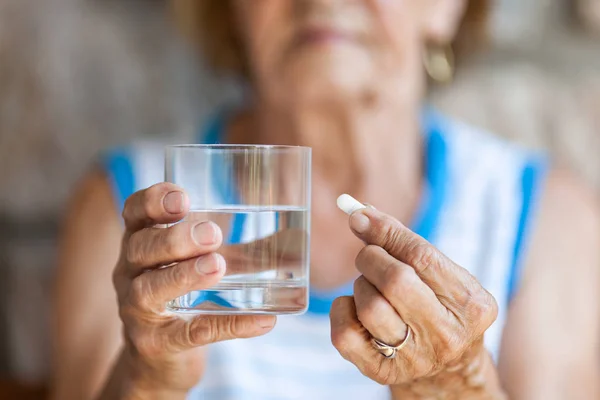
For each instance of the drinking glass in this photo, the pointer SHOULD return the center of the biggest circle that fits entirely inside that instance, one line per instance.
(260, 198)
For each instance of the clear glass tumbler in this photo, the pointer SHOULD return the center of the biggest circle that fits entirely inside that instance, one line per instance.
(260, 198)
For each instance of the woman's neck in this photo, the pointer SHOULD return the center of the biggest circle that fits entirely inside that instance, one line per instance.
(373, 151)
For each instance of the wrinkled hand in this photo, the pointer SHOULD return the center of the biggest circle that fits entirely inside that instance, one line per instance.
(408, 282)
(166, 350)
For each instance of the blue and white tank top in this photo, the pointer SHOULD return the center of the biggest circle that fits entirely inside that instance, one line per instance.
(480, 198)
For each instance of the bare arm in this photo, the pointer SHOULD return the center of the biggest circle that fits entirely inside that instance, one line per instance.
(551, 343)
(87, 329)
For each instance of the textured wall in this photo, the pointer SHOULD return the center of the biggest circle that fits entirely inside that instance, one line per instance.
(76, 76)
(540, 83)
(534, 103)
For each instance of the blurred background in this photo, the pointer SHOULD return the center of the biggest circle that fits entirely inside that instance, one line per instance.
(80, 76)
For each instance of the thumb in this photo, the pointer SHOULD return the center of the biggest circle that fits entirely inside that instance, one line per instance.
(203, 330)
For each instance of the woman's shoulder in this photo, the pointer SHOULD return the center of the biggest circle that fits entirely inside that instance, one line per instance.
(569, 214)
(565, 240)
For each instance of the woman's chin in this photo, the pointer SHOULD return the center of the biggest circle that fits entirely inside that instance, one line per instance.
(325, 89)
(326, 80)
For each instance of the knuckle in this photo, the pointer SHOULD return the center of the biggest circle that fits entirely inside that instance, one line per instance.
(491, 309)
(168, 243)
(138, 293)
(146, 343)
(482, 309)
(398, 281)
(133, 253)
(116, 279)
(422, 367)
(231, 327)
(187, 336)
(450, 347)
(147, 205)
(391, 232)
(381, 379)
(385, 373)
(359, 284)
(422, 256)
(127, 208)
(368, 255)
(172, 241)
(212, 330)
(181, 277)
(371, 310)
(340, 340)
(363, 255)
(128, 313)
(378, 371)
(180, 237)
(338, 305)
(237, 327)
(201, 332)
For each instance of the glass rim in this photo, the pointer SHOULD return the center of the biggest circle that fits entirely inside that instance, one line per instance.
(233, 147)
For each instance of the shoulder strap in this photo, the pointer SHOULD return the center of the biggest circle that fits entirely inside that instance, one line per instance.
(119, 170)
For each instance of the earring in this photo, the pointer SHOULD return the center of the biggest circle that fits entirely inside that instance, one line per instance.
(439, 63)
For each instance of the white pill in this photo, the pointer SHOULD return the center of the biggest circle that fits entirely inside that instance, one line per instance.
(349, 204)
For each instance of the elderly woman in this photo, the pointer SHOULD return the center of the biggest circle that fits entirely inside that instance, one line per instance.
(473, 298)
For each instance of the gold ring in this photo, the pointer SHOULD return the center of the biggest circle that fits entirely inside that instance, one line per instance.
(390, 351)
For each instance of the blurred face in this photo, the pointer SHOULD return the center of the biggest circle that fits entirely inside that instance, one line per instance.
(327, 50)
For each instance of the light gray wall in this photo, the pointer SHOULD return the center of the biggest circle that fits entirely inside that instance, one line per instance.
(76, 77)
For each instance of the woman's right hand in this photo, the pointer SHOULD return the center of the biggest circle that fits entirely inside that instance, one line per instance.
(164, 351)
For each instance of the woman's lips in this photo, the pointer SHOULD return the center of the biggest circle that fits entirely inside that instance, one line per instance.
(322, 36)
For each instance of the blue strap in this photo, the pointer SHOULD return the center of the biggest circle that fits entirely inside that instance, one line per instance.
(436, 177)
(532, 182)
(214, 131)
(118, 167)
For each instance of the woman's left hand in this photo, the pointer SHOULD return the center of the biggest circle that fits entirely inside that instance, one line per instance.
(407, 282)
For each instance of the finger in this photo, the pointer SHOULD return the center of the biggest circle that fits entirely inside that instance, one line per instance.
(400, 285)
(376, 314)
(353, 342)
(203, 330)
(348, 335)
(162, 246)
(152, 290)
(434, 268)
(162, 203)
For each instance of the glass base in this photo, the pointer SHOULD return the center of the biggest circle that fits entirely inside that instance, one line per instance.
(256, 298)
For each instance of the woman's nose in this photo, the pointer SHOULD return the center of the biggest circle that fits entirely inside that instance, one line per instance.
(325, 4)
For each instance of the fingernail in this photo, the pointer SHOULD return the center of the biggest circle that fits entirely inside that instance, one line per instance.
(359, 222)
(209, 264)
(265, 321)
(205, 233)
(173, 202)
